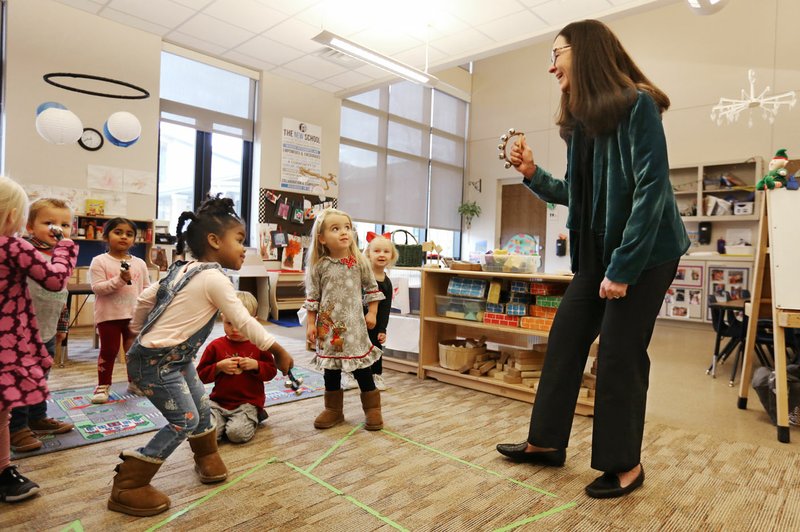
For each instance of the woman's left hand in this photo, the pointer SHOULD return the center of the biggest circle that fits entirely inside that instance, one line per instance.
(611, 290)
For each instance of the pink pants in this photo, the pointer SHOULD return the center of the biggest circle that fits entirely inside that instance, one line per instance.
(111, 332)
(5, 440)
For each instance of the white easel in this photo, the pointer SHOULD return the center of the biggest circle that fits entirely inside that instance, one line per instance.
(777, 262)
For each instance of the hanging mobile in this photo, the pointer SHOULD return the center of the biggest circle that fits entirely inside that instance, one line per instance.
(503, 155)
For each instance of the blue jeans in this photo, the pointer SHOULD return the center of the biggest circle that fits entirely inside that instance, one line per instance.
(21, 414)
(168, 378)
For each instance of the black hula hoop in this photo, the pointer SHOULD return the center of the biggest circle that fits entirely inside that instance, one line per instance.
(48, 78)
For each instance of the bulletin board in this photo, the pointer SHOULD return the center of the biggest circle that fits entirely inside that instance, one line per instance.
(783, 213)
(284, 217)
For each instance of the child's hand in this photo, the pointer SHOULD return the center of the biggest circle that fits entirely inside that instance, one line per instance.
(371, 320)
(125, 275)
(248, 364)
(229, 366)
(382, 338)
(311, 333)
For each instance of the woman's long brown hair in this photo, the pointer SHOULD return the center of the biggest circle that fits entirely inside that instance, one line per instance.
(603, 82)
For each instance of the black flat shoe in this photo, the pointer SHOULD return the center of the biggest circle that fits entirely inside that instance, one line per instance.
(516, 452)
(607, 486)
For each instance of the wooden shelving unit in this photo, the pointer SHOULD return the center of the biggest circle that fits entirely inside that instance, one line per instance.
(434, 328)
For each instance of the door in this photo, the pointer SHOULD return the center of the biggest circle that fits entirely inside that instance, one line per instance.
(522, 212)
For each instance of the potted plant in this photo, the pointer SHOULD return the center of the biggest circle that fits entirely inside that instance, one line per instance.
(469, 210)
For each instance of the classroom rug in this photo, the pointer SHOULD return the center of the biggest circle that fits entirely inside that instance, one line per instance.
(126, 414)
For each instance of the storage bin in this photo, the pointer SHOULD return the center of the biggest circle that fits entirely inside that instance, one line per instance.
(510, 263)
(460, 307)
(742, 208)
(458, 354)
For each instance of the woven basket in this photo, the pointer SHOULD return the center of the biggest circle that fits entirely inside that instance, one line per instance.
(455, 355)
(409, 255)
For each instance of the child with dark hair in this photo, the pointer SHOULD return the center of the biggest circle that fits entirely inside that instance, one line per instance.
(117, 279)
(173, 319)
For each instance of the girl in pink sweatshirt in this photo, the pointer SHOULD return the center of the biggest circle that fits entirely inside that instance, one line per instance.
(117, 280)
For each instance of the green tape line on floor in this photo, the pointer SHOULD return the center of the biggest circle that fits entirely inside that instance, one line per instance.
(469, 464)
(334, 447)
(213, 493)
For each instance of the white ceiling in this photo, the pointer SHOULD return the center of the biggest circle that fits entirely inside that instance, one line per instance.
(275, 35)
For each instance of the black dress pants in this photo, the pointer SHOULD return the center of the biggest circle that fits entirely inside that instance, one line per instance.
(625, 327)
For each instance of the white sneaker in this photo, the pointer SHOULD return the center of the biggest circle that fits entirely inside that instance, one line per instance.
(348, 382)
(379, 382)
(100, 394)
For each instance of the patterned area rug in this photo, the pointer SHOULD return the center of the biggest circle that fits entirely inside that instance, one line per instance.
(126, 414)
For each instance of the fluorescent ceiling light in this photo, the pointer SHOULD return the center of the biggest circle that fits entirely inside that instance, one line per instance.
(374, 58)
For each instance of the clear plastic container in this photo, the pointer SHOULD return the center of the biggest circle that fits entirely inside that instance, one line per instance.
(510, 263)
(460, 307)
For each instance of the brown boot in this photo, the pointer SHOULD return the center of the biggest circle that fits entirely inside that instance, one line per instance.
(207, 461)
(333, 414)
(371, 402)
(132, 493)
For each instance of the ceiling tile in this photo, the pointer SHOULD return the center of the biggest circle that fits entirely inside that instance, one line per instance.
(197, 5)
(476, 13)
(134, 22)
(247, 14)
(348, 79)
(323, 17)
(296, 32)
(290, 7)
(416, 56)
(512, 27)
(458, 44)
(533, 3)
(247, 61)
(315, 67)
(215, 31)
(190, 41)
(558, 12)
(372, 71)
(297, 76)
(268, 50)
(386, 42)
(328, 87)
(84, 5)
(162, 12)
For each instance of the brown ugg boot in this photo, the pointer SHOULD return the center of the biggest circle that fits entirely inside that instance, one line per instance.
(333, 413)
(132, 493)
(371, 402)
(207, 461)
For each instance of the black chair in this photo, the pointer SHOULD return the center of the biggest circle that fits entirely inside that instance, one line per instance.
(765, 343)
(726, 325)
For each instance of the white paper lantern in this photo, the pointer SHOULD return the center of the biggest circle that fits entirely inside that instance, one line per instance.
(122, 129)
(56, 124)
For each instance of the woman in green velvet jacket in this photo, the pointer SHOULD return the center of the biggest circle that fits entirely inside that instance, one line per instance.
(626, 240)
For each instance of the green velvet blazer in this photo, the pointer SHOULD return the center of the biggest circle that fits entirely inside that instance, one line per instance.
(633, 208)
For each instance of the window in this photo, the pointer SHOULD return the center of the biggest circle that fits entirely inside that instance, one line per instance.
(205, 138)
(401, 155)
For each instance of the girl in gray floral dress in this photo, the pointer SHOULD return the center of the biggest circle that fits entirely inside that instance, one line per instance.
(336, 276)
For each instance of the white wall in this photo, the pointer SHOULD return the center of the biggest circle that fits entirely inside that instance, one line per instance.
(695, 60)
(45, 37)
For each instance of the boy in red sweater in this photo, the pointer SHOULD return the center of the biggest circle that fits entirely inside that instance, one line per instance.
(238, 370)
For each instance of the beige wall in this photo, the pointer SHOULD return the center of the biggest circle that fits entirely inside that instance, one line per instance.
(696, 60)
(44, 37)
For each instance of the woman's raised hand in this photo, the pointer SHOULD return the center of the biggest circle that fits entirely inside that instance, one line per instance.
(521, 157)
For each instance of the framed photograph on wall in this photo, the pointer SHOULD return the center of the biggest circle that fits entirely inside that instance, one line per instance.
(297, 215)
(278, 239)
(691, 276)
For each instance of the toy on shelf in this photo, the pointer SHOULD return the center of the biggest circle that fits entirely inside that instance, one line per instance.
(792, 183)
(776, 176)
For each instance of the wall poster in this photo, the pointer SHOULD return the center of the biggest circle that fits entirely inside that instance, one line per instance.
(301, 155)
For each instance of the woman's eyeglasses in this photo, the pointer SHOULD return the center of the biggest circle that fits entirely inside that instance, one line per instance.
(555, 53)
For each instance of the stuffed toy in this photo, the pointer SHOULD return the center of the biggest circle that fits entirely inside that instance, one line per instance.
(776, 176)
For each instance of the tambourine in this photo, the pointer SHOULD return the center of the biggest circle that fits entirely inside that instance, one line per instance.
(503, 156)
